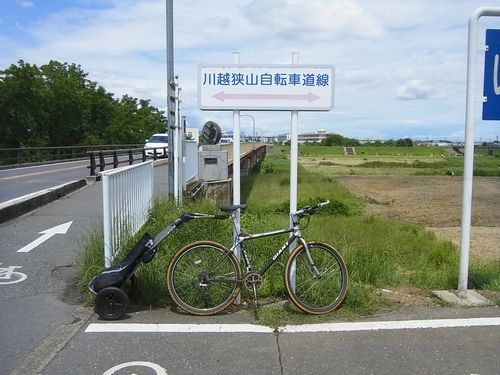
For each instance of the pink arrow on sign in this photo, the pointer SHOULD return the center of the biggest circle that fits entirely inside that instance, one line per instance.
(222, 96)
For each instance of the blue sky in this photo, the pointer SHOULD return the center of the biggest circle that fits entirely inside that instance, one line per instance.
(400, 65)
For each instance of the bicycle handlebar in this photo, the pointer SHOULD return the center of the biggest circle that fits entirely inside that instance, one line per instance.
(311, 209)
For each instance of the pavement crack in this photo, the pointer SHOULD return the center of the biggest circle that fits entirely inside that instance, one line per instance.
(279, 352)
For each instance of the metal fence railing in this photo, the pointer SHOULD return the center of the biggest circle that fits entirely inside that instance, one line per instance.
(127, 201)
(10, 157)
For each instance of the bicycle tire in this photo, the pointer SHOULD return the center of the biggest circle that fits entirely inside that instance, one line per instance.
(316, 295)
(192, 278)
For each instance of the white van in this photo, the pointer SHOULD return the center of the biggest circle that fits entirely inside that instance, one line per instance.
(159, 142)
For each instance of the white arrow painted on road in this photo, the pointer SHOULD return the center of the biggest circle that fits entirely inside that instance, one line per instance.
(60, 229)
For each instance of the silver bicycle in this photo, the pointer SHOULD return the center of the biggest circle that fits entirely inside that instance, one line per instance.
(205, 277)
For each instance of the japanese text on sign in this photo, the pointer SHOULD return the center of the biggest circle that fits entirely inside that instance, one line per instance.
(266, 79)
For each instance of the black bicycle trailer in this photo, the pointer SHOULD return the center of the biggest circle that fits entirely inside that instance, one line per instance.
(111, 301)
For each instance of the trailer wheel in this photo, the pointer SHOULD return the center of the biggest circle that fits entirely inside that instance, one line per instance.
(111, 303)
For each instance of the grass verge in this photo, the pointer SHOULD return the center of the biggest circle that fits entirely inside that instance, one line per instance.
(379, 253)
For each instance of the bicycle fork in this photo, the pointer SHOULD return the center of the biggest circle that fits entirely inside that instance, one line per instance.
(311, 267)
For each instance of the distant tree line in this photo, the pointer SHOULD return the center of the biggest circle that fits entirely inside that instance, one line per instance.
(56, 105)
(338, 140)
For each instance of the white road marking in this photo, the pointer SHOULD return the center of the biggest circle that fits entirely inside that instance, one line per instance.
(60, 229)
(390, 325)
(177, 328)
(325, 327)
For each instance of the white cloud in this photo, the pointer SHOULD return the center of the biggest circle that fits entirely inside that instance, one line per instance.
(398, 63)
(319, 19)
(415, 89)
(24, 3)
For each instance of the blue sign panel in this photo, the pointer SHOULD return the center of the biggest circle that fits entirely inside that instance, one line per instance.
(491, 90)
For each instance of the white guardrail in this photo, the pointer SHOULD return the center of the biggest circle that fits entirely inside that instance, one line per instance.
(127, 201)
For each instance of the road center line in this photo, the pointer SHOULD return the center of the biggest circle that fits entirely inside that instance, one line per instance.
(325, 327)
(42, 172)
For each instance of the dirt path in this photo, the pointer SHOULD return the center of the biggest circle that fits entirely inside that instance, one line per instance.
(435, 202)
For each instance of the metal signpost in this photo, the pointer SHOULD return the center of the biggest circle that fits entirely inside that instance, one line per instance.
(469, 138)
(235, 87)
(171, 104)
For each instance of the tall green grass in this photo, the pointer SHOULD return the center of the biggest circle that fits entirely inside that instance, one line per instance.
(379, 253)
(368, 151)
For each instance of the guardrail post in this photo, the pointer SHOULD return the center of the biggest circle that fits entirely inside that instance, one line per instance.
(115, 159)
(92, 163)
(102, 162)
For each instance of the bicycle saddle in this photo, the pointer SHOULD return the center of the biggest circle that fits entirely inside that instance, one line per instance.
(233, 207)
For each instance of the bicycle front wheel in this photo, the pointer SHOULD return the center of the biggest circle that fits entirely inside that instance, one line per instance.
(204, 278)
(311, 292)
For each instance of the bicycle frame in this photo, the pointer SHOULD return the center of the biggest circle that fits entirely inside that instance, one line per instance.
(240, 239)
(296, 234)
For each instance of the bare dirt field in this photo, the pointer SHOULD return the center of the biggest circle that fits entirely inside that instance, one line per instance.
(436, 203)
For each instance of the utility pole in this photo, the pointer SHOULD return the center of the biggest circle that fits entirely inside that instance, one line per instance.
(171, 104)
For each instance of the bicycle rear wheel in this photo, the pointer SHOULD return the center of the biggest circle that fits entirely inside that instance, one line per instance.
(204, 278)
(312, 294)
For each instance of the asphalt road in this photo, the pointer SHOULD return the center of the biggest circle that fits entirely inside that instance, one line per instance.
(21, 181)
(45, 329)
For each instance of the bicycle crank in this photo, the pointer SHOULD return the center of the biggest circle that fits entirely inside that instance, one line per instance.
(253, 281)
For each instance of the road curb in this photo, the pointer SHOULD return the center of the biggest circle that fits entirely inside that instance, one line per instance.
(44, 353)
(22, 205)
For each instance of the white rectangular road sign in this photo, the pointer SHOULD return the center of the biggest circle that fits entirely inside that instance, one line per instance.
(266, 87)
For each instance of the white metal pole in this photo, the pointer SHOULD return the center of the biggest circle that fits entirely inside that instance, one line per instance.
(294, 151)
(236, 171)
(106, 221)
(236, 147)
(469, 146)
(180, 139)
(176, 143)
